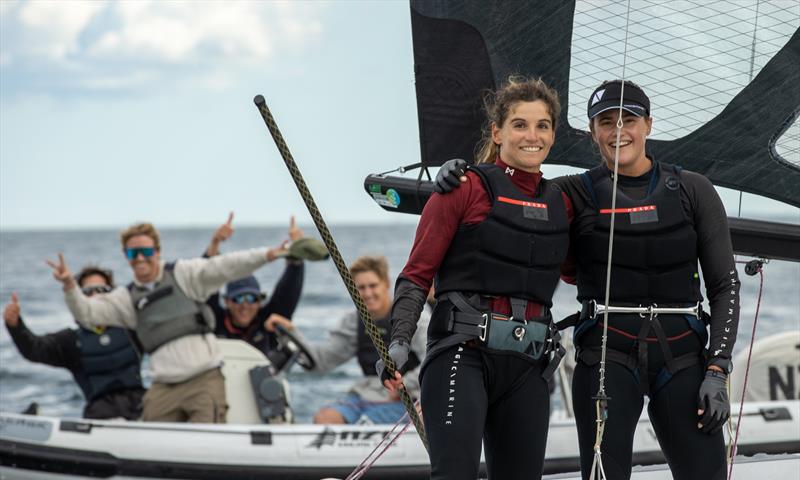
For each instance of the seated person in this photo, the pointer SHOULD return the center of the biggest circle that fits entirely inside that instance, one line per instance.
(105, 362)
(247, 317)
(245, 314)
(368, 400)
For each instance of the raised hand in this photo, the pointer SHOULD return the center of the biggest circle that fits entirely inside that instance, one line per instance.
(294, 231)
(224, 232)
(61, 272)
(11, 312)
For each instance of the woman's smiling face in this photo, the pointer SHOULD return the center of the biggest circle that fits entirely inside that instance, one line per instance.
(526, 136)
(632, 139)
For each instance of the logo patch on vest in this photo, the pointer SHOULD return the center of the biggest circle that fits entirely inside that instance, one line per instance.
(533, 210)
(672, 183)
(644, 214)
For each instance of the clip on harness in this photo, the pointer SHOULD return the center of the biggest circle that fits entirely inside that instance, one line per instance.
(502, 332)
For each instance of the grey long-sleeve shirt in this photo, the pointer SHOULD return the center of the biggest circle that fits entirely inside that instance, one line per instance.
(342, 345)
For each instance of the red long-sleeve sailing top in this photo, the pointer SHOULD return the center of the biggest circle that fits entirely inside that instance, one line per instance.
(466, 205)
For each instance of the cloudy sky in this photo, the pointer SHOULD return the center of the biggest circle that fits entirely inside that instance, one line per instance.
(115, 112)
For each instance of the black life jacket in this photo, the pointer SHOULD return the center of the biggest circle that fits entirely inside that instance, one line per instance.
(655, 246)
(166, 313)
(110, 361)
(368, 355)
(516, 251)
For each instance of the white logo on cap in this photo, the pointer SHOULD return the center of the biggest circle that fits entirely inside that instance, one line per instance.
(598, 96)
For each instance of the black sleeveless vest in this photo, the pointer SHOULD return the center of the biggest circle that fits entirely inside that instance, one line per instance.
(516, 251)
(110, 361)
(368, 355)
(655, 246)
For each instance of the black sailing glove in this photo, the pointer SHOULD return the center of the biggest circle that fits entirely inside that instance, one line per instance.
(713, 400)
(447, 179)
(398, 352)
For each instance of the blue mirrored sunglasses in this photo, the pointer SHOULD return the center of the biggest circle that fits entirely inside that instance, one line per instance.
(147, 252)
(245, 298)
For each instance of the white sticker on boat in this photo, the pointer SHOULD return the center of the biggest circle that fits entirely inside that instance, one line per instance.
(26, 428)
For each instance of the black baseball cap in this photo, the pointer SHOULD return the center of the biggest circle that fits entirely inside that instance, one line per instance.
(607, 96)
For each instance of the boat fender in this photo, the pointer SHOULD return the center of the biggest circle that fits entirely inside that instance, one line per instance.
(270, 395)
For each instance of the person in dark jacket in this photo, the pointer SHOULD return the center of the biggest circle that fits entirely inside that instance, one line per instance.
(245, 312)
(105, 362)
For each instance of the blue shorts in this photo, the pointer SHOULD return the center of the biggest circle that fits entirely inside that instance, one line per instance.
(356, 410)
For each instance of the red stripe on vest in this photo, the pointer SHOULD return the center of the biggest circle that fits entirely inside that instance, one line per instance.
(521, 202)
(645, 208)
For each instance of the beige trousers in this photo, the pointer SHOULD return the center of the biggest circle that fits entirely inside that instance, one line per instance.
(201, 399)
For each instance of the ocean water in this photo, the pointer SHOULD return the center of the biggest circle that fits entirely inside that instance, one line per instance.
(324, 301)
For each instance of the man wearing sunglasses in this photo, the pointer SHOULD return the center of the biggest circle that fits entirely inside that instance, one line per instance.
(105, 362)
(165, 305)
(246, 313)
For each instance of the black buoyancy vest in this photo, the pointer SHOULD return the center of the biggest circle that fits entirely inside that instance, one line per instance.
(655, 245)
(516, 251)
(110, 361)
(368, 355)
(166, 313)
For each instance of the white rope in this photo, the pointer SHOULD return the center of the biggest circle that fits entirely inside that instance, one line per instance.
(601, 399)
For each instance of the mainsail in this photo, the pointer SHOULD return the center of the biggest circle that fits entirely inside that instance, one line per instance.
(724, 79)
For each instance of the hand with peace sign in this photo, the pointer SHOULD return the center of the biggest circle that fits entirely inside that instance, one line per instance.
(11, 312)
(224, 232)
(61, 272)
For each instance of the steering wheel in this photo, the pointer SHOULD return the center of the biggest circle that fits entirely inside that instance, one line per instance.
(295, 349)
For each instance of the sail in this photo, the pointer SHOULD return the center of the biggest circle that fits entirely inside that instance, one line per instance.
(723, 78)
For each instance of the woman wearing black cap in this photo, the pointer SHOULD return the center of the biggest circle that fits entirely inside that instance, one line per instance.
(667, 219)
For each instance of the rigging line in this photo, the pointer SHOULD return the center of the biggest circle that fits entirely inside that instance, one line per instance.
(732, 448)
(752, 64)
(601, 401)
(372, 457)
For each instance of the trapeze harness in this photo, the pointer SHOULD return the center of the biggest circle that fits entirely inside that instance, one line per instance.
(654, 271)
(515, 252)
(166, 313)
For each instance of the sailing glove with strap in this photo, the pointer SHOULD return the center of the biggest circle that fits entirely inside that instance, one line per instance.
(449, 174)
(713, 400)
(398, 352)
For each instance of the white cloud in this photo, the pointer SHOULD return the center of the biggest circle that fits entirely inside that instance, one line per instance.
(107, 44)
(55, 26)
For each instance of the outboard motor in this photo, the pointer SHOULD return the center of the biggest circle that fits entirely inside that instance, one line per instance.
(271, 395)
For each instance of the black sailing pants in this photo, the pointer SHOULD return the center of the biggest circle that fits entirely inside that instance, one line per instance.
(469, 394)
(691, 454)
